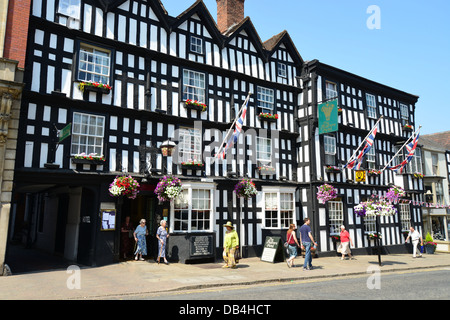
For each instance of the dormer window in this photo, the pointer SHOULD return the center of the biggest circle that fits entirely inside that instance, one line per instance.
(282, 70)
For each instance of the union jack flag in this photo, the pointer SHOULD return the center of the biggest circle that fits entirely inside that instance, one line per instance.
(237, 130)
(411, 148)
(355, 162)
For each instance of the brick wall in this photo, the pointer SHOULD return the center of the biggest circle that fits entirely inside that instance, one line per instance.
(229, 12)
(17, 30)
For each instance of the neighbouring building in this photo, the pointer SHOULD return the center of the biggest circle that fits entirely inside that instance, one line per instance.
(436, 211)
(153, 63)
(13, 40)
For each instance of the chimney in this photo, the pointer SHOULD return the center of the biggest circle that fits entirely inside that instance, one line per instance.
(229, 13)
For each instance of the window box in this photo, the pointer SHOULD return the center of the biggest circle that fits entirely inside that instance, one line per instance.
(418, 175)
(195, 105)
(192, 165)
(268, 170)
(94, 87)
(87, 161)
(268, 117)
(332, 169)
(374, 172)
(408, 128)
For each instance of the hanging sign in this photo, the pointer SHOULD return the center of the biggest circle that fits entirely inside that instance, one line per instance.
(328, 116)
(360, 175)
(64, 132)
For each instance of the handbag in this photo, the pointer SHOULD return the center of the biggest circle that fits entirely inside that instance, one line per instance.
(286, 244)
(339, 249)
(237, 255)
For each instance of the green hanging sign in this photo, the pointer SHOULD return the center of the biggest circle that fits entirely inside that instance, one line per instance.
(64, 132)
(328, 116)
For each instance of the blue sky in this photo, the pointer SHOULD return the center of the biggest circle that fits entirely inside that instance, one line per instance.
(410, 51)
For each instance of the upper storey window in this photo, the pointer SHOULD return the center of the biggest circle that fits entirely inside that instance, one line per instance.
(194, 86)
(330, 90)
(196, 45)
(371, 106)
(404, 113)
(94, 64)
(69, 8)
(265, 99)
(282, 70)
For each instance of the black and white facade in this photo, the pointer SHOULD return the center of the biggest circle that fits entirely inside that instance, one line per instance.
(154, 63)
(362, 102)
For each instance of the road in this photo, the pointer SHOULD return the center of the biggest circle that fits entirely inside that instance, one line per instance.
(430, 284)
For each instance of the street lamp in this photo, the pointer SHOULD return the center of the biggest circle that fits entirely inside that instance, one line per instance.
(167, 148)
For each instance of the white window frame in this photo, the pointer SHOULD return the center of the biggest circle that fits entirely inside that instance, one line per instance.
(415, 165)
(94, 63)
(282, 70)
(189, 144)
(404, 113)
(282, 209)
(371, 102)
(405, 216)
(329, 143)
(266, 99)
(330, 90)
(70, 8)
(196, 45)
(264, 150)
(336, 216)
(194, 86)
(188, 204)
(370, 224)
(87, 136)
(371, 157)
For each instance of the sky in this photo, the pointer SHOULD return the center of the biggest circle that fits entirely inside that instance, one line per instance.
(403, 44)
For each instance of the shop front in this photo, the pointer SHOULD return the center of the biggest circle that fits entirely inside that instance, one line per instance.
(437, 223)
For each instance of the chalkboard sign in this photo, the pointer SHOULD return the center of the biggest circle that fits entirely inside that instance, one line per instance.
(201, 246)
(273, 250)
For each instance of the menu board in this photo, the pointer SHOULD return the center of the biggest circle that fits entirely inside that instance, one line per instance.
(273, 250)
(108, 218)
(201, 245)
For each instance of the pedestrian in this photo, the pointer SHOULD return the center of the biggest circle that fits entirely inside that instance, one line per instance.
(230, 245)
(162, 235)
(141, 242)
(306, 239)
(126, 236)
(292, 244)
(415, 237)
(345, 243)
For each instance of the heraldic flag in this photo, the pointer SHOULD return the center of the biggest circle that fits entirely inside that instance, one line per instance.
(237, 130)
(411, 148)
(355, 162)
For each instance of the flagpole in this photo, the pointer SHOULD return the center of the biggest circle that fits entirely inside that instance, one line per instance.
(364, 140)
(230, 130)
(407, 141)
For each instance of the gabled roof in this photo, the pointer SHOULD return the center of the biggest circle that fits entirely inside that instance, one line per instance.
(283, 37)
(440, 140)
(200, 9)
(247, 26)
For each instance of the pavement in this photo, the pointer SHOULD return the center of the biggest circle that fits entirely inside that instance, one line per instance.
(130, 278)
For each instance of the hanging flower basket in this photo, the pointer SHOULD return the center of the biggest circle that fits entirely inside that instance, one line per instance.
(168, 188)
(94, 86)
(245, 189)
(124, 186)
(394, 193)
(325, 193)
(194, 104)
(375, 207)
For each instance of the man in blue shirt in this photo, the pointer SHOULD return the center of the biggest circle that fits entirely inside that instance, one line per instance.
(305, 239)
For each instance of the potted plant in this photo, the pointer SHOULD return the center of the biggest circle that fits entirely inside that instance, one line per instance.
(430, 245)
(325, 193)
(124, 186)
(168, 188)
(374, 235)
(94, 86)
(245, 189)
(196, 105)
(407, 127)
